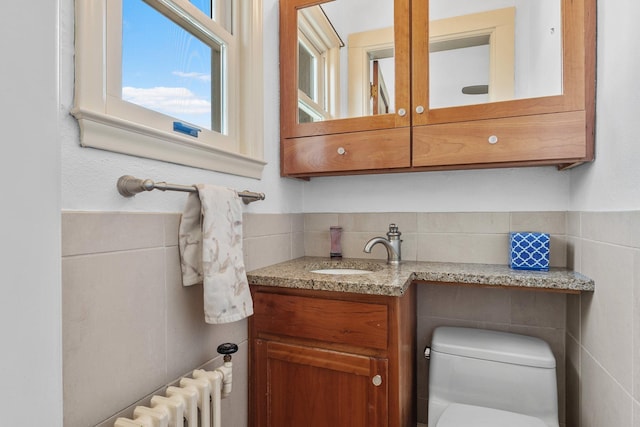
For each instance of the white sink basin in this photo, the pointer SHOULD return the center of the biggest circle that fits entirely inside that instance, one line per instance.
(341, 271)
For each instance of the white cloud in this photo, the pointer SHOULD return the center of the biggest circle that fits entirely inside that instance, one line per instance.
(169, 100)
(193, 75)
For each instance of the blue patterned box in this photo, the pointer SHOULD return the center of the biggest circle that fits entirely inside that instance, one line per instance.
(529, 251)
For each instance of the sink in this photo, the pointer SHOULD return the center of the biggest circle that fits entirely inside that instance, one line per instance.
(341, 271)
(343, 267)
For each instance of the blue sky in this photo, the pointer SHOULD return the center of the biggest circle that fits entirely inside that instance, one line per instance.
(164, 68)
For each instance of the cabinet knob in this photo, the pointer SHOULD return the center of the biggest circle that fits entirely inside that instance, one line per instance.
(377, 380)
(419, 109)
(492, 139)
(341, 150)
(402, 112)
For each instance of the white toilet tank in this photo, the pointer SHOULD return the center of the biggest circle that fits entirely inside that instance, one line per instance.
(491, 369)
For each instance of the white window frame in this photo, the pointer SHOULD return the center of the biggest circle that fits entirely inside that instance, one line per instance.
(107, 122)
(316, 105)
(319, 37)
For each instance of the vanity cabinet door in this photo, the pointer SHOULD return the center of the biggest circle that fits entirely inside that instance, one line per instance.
(534, 106)
(325, 358)
(360, 151)
(514, 139)
(344, 81)
(305, 386)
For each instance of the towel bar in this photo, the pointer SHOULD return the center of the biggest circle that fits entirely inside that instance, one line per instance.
(129, 186)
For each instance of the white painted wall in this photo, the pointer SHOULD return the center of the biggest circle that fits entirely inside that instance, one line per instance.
(612, 182)
(30, 319)
(527, 189)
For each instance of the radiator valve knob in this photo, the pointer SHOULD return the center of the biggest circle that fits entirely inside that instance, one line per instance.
(227, 349)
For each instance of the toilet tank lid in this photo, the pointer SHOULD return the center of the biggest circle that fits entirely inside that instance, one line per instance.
(493, 345)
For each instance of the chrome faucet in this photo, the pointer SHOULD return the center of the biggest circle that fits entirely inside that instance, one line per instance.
(391, 243)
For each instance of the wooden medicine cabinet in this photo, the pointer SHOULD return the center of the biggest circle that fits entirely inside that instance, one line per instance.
(379, 86)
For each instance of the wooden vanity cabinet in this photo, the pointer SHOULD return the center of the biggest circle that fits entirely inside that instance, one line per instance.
(335, 359)
(552, 130)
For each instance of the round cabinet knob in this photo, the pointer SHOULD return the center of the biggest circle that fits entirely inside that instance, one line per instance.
(402, 112)
(341, 151)
(377, 380)
(492, 139)
(419, 109)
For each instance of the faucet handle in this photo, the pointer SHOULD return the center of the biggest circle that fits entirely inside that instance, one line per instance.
(393, 231)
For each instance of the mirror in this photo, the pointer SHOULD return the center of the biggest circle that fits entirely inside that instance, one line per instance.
(493, 50)
(346, 66)
(480, 52)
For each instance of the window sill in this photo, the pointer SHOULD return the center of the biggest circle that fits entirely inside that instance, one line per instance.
(110, 133)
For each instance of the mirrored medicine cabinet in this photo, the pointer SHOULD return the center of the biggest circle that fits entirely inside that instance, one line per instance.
(376, 86)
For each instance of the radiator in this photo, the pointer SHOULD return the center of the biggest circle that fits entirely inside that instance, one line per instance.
(195, 403)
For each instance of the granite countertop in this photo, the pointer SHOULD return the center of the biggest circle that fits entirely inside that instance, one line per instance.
(394, 280)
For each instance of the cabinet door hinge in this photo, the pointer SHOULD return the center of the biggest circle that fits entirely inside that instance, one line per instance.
(373, 90)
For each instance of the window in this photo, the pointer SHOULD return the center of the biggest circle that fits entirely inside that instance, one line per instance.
(318, 66)
(311, 82)
(167, 69)
(172, 80)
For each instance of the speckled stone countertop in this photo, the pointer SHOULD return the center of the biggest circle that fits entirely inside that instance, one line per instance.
(394, 280)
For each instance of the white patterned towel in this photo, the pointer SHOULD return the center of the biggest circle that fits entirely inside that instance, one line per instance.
(211, 253)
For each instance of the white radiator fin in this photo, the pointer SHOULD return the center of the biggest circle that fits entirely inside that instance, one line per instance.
(195, 403)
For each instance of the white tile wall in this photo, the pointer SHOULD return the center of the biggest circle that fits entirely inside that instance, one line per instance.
(603, 401)
(121, 290)
(607, 314)
(603, 327)
(113, 322)
(130, 327)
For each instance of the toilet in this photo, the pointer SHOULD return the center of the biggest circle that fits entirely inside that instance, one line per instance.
(483, 378)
